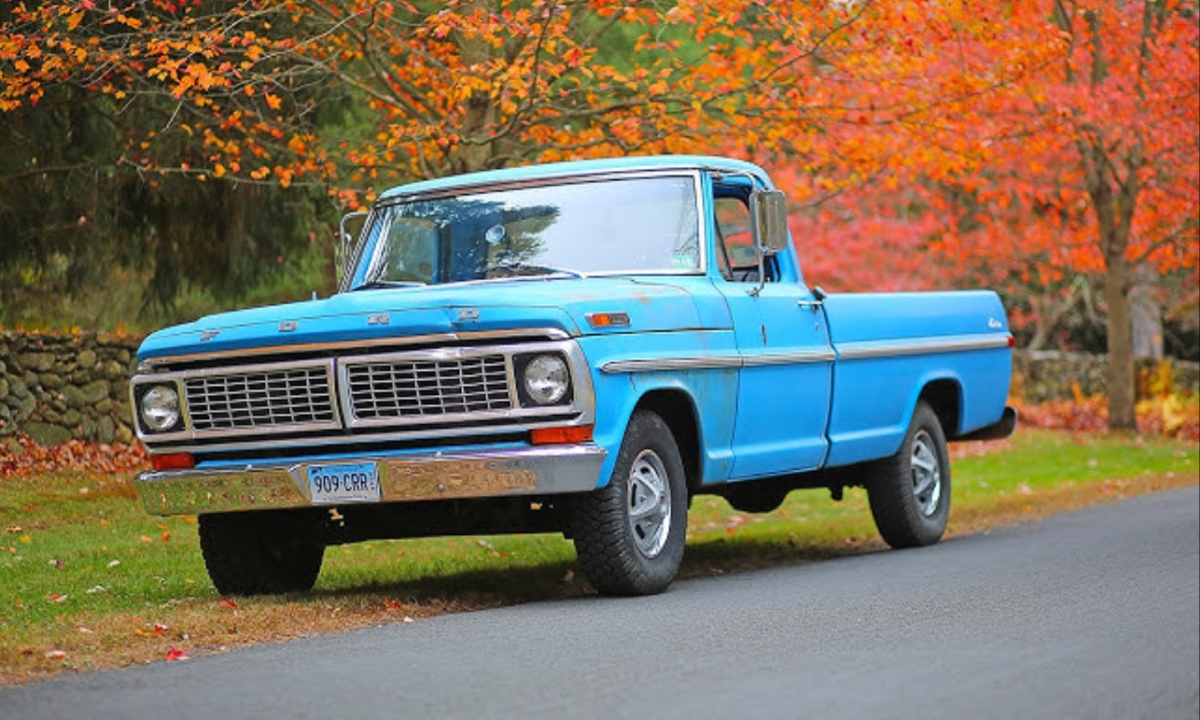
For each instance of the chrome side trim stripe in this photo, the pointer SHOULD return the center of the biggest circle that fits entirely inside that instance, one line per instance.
(846, 351)
(797, 358)
(683, 363)
(921, 346)
(715, 362)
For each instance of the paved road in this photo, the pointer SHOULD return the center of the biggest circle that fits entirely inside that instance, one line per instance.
(1094, 614)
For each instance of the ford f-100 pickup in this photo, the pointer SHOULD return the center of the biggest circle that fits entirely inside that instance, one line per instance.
(576, 348)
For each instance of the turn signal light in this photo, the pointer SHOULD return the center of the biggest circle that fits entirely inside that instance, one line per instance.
(561, 435)
(173, 461)
(608, 319)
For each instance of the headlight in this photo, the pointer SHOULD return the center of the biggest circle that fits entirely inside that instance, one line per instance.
(547, 379)
(160, 408)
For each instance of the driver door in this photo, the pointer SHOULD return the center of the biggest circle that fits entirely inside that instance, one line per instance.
(785, 381)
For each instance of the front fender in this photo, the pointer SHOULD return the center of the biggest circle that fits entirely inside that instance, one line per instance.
(710, 392)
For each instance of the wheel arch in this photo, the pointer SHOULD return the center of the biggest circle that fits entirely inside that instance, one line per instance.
(678, 411)
(944, 396)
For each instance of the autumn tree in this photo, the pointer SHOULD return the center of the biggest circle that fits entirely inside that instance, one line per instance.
(111, 164)
(1031, 143)
(1094, 168)
(348, 95)
(1042, 148)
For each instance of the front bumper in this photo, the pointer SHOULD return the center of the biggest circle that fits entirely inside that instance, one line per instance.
(544, 470)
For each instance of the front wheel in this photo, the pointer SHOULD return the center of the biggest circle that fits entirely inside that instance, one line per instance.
(255, 553)
(909, 492)
(629, 535)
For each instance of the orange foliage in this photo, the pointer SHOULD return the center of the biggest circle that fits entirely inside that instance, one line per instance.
(899, 127)
(1172, 416)
(24, 457)
(844, 91)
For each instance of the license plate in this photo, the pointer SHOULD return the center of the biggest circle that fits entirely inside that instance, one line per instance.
(350, 482)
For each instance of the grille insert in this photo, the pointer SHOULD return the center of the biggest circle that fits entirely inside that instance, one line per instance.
(428, 388)
(290, 397)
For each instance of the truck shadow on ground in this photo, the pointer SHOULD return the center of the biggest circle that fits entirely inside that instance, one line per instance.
(480, 589)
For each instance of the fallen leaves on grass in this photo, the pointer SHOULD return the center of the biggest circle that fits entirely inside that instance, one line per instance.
(1170, 416)
(21, 456)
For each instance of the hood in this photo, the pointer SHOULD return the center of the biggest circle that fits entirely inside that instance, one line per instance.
(561, 303)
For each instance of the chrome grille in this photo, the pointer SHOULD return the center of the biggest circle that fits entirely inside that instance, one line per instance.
(428, 388)
(293, 396)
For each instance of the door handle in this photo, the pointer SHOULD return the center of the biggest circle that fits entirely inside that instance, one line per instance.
(813, 305)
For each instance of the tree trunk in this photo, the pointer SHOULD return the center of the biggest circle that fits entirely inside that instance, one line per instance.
(1111, 174)
(1122, 413)
(1114, 200)
(479, 119)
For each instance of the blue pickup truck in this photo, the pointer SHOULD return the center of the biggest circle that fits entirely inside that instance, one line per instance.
(576, 348)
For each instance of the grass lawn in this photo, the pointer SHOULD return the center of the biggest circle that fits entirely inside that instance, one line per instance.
(88, 580)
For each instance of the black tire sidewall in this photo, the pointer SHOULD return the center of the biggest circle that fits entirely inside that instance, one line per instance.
(647, 431)
(254, 553)
(897, 514)
(608, 552)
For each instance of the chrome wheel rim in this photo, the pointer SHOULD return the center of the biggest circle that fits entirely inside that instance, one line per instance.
(926, 472)
(649, 503)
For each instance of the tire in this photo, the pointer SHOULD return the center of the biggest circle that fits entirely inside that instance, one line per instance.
(257, 554)
(629, 535)
(909, 492)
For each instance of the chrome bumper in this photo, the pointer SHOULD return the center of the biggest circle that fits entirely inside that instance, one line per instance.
(543, 470)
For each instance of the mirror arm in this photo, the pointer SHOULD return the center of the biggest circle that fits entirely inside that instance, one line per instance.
(762, 254)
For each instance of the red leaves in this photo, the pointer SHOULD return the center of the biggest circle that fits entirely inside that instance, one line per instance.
(1158, 416)
(21, 456)
(176, 654)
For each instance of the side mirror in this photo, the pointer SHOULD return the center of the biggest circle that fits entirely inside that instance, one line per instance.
(344, 251)
(768, 214)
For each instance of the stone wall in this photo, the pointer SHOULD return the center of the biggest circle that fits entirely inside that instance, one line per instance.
(54, 387)
(1041, 376)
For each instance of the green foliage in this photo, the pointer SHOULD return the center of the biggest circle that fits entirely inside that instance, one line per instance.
(93, 238)
(54, 179)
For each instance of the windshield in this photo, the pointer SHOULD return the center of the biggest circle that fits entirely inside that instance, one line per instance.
(647, 224)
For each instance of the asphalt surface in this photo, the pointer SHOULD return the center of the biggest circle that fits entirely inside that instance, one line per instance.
(1094, 614)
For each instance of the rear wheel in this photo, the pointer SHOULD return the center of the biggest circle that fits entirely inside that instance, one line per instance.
(629, 535)
(257, 553)
(909, 492)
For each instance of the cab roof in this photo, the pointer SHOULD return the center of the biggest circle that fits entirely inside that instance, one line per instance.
(579, 167)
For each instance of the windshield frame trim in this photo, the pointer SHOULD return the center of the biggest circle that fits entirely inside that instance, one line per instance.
(692, 172)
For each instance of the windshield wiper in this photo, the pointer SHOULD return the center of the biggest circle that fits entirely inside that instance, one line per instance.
(521, 269)
(378, 283)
